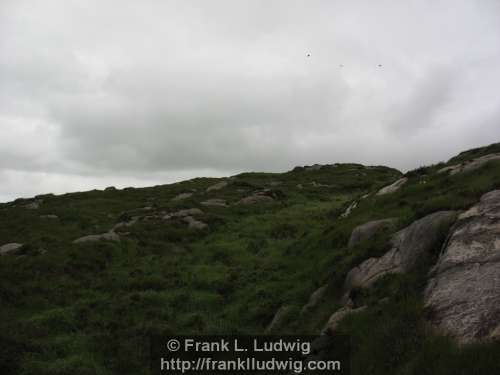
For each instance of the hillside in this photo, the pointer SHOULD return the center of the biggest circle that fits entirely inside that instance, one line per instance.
(87, 277)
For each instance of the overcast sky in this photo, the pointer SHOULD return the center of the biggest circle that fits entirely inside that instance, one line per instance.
(137, 93)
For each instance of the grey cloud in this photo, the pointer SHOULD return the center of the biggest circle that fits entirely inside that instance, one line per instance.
(123, 91)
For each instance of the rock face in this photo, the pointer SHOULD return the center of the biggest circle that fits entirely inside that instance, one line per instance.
(368, 230)
(408, 246)
(470, 165)
(108, 236)
(463, 294)
(217, 186)
(392, 187)
(10, 248)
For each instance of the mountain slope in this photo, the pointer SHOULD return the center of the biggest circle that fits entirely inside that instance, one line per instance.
(223, 256)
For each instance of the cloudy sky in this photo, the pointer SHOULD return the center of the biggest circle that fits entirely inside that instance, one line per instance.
(134, 93)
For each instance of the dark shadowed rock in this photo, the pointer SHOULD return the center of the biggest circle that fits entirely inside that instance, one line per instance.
(369, 230)
(463, 294)
(422, 237)
(392, 187)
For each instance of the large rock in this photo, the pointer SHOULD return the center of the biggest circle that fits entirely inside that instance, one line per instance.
(10, 248)
(369, 230)
(108, 236)
(463, 294)
(392, 187)
(470, 165)
(409, 245)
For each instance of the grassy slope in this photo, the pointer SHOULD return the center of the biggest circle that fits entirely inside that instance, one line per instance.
(88, 309)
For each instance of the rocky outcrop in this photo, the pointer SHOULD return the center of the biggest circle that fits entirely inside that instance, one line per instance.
(10, 248)
(463, 294)
(368, 230)
(108, 236)
(215, 202)
(409, 245)
(392, 187)
(470, 165)
(217, 186)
